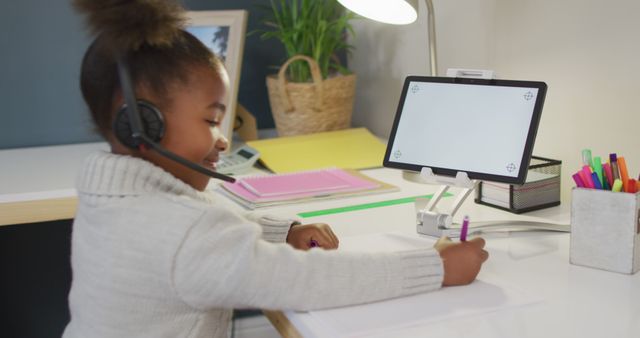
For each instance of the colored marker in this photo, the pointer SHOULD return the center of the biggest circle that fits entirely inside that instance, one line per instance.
(586, 177)
(586, 157)
(586, 180)
(608, 173)
(617, 185)
(597, 168)
(313, 244)
(624, 174)
(605, 184)
(596, 181)
(578, 180)
(465, 229)
(633, 186)
(613, 160)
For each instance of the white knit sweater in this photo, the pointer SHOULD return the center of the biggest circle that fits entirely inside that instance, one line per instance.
(152, 257)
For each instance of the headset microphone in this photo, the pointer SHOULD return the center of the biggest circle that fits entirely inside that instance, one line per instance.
(130, 130)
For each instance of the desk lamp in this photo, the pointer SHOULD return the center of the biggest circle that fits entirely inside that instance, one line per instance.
(397, 12)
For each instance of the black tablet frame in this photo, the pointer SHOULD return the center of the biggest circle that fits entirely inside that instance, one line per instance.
(527, 151)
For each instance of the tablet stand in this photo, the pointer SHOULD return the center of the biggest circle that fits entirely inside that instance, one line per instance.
(433, 223)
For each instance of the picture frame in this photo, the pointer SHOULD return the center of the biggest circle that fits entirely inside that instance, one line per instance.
(224, 33)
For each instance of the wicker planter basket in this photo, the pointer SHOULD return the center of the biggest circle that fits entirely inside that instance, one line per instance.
(310, 107)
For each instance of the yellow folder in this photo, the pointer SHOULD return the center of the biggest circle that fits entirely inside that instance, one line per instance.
(353, 148)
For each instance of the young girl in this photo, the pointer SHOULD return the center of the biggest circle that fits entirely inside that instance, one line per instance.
(156, 255)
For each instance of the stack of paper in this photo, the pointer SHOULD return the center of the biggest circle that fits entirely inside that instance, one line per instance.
(539, 189)
(395, 317)
(267, 190)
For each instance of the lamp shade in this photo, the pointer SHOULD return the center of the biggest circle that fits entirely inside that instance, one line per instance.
(397, 12)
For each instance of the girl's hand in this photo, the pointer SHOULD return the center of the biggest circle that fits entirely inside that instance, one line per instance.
(462, 260)
(307, 236)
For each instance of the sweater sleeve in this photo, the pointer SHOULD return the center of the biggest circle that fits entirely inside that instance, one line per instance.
(223, 263)
(274, 229)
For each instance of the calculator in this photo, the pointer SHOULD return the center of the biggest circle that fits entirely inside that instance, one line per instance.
(237, 161)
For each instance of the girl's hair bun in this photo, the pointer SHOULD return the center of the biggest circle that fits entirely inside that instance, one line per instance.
(130, 24)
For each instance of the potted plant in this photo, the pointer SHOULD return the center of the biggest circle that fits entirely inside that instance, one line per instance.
(312, 91)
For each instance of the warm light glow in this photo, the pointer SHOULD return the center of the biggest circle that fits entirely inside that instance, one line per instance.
(397, 12)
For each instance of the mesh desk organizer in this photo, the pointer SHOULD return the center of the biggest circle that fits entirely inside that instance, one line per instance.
(540, 190)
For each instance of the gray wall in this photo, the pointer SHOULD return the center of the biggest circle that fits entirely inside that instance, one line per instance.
(42, 43)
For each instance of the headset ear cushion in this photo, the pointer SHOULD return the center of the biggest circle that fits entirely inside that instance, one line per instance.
(152, 124)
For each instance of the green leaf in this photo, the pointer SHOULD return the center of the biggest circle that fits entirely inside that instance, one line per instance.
(316, 28)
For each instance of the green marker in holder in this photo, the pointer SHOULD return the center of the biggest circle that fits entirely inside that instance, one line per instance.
(597, 167)
(586, 157)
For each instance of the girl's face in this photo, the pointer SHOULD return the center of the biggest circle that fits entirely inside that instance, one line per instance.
(192, 123)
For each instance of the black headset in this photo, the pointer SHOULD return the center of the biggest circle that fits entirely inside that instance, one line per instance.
(140, 123)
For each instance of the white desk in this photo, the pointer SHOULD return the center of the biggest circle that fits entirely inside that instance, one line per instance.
(37, 184)
(577, 302)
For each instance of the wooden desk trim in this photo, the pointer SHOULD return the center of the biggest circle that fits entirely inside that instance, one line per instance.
(282, 324)
(38, 210)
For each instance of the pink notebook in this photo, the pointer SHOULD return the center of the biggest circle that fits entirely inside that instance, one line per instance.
(311, 181)
(297, 185)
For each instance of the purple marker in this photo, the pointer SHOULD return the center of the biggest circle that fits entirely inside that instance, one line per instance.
(465, 229)
(613, 159)
(313, 243)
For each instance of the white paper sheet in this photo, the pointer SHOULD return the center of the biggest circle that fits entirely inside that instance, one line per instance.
(487, 294)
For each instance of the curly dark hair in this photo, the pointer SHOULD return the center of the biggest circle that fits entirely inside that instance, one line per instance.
(150, 35)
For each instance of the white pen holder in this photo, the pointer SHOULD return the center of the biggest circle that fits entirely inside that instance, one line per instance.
(605, 230)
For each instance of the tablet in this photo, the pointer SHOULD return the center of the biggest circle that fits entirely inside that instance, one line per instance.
(485, 128)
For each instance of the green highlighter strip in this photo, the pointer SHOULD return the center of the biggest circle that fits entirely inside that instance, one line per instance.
(364, 206)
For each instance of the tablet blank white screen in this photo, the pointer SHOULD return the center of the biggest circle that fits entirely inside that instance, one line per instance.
(474, 128)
